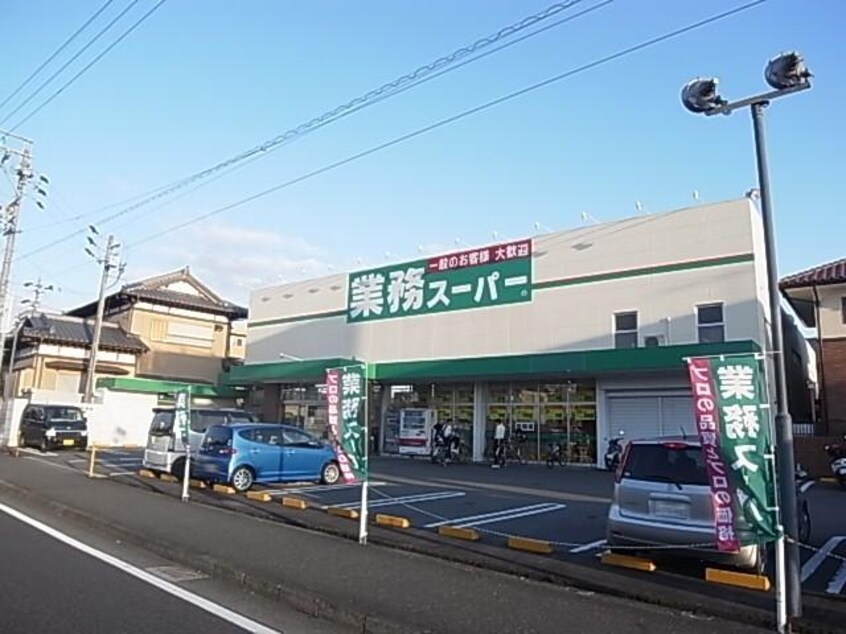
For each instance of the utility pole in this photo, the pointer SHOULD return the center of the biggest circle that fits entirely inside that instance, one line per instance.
(10, 220)
(109, 263)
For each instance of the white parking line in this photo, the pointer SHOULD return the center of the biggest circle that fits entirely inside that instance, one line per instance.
(180, 593)
(820, 556)
(321, 487)
(35, 452)
(547, 509)
(807, 485)
(838, 581)
(474, 520)
(586, 547)
(407, 499)
(104, 459)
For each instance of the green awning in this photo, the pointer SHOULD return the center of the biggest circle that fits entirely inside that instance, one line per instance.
(586, 363)
(154, 386)
(310, 370)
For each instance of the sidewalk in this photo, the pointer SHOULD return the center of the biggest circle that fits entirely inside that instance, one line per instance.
(387, 589)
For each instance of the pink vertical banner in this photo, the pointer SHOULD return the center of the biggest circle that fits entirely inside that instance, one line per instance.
(708, 427)
(333, 401)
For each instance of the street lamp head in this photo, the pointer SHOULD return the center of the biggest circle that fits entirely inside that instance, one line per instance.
(787, 70)
(700, 95)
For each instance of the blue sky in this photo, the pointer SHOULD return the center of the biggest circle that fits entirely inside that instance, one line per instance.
(202, 80)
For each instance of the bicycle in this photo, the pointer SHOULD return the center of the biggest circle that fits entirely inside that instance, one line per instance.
(555, 455)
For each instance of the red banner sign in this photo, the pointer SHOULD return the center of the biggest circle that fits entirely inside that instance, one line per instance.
(333, 400)
(708, 426)
(478, 257)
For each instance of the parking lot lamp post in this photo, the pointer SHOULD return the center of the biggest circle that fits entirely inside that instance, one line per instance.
(786, 74)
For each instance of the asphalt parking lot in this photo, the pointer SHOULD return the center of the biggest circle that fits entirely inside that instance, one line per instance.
(564, 506)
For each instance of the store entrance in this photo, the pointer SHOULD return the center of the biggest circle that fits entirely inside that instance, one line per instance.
(303, 406)
(538, 416)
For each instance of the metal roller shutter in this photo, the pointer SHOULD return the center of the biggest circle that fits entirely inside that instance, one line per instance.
(677, 416)
(636, 416)
(649, 416)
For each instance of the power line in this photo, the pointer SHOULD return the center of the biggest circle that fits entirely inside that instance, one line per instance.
(69, 62)
(56, 53)
(405, 82)
(457, 117)
(85, 68)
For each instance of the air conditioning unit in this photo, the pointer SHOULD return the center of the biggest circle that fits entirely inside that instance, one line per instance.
(653, 341)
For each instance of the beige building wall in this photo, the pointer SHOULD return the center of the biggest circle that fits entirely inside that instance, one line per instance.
(308, 320)
(831, 316)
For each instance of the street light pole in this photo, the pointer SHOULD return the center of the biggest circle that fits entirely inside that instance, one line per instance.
(786, 74)
(785, 462)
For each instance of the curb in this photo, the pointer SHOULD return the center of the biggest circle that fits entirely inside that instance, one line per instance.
(349, 514)
(467, 534)
(294, 503)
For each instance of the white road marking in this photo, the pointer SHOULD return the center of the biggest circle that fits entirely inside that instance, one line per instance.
(547, 509)
(104, 459)
(57, 465)
(835, 585)
(408, 499)
(321, 487)
(820, 556)
(35, 452)
(165, 586)
(586, 547)
(462, 521)
(122, 473)
(807, 485)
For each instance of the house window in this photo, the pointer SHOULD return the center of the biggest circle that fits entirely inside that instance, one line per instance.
(843, 309)
(625, 330)
(710, 323)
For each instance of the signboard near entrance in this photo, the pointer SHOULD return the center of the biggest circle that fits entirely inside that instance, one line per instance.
(489, 276)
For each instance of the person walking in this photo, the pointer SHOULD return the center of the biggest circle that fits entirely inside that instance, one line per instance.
(499, 445)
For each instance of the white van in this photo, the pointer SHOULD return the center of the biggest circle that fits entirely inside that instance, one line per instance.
(165, 451)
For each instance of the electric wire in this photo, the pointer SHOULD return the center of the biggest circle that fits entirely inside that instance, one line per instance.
(55, 54)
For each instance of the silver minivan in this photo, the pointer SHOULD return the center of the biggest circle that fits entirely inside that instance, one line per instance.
(165, 450)
(662, 498)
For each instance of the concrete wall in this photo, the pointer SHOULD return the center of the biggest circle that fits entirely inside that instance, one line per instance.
(568, 317)
(120, 418)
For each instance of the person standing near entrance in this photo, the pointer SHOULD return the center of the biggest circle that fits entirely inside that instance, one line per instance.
(499, 445)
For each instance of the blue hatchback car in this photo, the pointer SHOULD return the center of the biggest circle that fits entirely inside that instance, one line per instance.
(246, 453)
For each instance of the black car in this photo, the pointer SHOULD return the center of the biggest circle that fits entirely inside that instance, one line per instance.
(52, 426)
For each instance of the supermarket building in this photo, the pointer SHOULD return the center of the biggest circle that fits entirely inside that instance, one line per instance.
(567, 337)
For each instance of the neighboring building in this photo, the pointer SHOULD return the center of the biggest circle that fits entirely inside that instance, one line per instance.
(818, 296)
(52, 353)
(188, 329)
(157, 333)
(582, 332)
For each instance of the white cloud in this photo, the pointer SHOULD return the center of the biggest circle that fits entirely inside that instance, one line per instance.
(232, 260)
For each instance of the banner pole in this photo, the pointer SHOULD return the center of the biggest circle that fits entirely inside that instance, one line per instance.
(187, 431)
(781, 585)
(362, 518)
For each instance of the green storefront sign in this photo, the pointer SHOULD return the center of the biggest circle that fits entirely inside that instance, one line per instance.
(490, 276)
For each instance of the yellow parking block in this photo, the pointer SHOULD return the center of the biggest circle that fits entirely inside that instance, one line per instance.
(392, 521)
(222, 488)
(146, 473)
(259, 496)
(530, 545)
(740, 579)
(827, 479)
(169, 478)
(197, 484)
(467, 534)
(294, 503)
(628, 561)
(350, 514)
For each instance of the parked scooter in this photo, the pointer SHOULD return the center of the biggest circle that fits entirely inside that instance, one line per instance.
(613, 452)
(837, 457)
